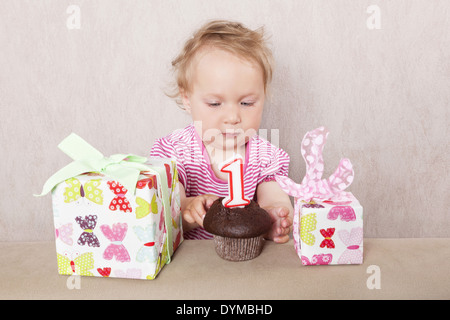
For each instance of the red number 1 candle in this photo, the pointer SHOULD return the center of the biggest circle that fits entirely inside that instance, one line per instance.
(235, 169)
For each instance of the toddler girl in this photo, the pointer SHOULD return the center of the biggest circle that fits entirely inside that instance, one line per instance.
(223, 75)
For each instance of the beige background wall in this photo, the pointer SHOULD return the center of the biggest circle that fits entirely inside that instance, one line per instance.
(383, 94)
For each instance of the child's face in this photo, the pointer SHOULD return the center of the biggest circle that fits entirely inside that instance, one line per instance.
(226, 98)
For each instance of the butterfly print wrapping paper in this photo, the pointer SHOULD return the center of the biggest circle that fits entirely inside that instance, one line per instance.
(328, 221)
(103, 230)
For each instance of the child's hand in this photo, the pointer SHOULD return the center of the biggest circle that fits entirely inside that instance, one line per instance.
(281, 225)
(196, 208)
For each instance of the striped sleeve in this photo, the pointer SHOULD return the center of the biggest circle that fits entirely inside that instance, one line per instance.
(274, 161)
(198, 234)
(164, 148)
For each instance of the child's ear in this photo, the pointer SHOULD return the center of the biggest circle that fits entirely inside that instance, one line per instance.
(185, 99)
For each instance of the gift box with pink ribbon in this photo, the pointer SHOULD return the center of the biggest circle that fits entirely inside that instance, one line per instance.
(328, 221)
(116, 216)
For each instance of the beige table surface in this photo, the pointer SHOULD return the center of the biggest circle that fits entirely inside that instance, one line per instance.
(409, 269)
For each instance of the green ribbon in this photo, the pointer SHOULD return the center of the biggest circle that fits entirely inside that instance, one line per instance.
(162, 177)
(124, 168)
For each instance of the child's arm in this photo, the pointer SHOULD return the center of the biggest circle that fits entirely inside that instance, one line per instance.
(193, 209)
(275, 201)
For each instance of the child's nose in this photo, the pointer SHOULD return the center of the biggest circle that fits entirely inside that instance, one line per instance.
(233, 114)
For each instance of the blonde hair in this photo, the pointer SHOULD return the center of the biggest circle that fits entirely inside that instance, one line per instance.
(229, 36)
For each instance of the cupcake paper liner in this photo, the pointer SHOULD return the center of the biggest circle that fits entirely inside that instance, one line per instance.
(238, 249)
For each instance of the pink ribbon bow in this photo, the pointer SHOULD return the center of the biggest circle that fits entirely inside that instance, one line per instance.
(313, 186)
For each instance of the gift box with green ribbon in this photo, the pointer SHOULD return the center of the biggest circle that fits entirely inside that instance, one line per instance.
(116, 216)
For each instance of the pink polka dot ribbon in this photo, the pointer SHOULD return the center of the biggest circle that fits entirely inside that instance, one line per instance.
(313, 186)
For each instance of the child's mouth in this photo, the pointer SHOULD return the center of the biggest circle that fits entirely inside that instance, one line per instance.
(230, 135)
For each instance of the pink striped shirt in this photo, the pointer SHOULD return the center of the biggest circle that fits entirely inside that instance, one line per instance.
(262, 162)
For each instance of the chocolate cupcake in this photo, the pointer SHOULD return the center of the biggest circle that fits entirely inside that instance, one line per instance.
(238, 232)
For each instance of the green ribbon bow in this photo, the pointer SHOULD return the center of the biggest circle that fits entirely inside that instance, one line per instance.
(124, 168)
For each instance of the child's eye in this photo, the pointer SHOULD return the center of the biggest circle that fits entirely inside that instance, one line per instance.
(214, 104)
(247, 103)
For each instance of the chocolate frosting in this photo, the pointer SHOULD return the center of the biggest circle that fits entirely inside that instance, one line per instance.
(248, 222)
